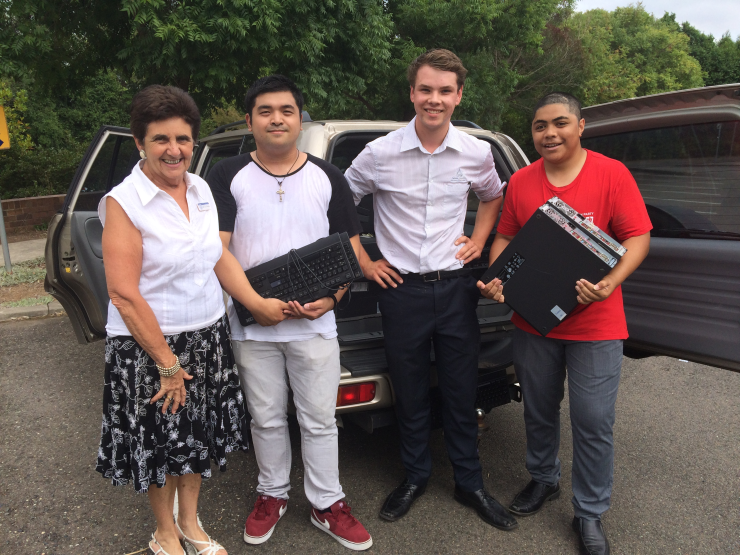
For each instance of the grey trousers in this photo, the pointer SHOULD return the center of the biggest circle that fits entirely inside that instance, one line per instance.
(312, 369)
(593, 372)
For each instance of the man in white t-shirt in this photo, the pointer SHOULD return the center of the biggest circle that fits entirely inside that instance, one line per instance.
(270, 201)
(420, 177)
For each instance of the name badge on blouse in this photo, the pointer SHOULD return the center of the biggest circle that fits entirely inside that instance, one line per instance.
(204, 206)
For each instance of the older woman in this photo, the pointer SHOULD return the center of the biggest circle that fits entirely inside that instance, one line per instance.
(172, 397)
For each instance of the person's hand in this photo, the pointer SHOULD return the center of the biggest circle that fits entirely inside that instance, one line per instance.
(492, 290)
(588, 293)
(381, 272)
(270, 312)
(470, 250)
(173, 391)
(310, 311)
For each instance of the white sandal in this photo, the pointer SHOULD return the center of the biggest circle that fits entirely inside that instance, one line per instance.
(161, 549)
(211, 547)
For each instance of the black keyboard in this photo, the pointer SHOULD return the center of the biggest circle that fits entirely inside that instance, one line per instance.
(304, 274)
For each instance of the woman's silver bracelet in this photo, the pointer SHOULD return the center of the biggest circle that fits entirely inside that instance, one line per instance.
(171, 371)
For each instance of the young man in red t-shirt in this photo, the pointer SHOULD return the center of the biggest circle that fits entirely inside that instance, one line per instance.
(589, 341)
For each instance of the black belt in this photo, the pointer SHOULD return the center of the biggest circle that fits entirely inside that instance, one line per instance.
(438, 275)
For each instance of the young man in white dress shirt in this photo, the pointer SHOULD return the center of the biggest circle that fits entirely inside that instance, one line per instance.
(420, 177)
(270, 201)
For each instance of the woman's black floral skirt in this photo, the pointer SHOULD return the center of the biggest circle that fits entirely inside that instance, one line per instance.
(139, 442)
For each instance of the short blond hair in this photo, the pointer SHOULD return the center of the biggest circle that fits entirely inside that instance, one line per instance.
(441, 59)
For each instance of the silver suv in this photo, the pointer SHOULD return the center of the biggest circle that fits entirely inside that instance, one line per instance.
(683, 149)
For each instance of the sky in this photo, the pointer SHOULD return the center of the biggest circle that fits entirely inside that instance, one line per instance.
(714, 17)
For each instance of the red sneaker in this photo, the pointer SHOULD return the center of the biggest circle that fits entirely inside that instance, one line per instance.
(339, 523)
(263, 519)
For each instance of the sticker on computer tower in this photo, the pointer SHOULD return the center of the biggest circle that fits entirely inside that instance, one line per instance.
(587, 224)
(577, 233)
(514, 263)
(558, 312)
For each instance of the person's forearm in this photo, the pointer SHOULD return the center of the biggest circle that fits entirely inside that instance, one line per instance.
(500, 242)
(637, 249)
(357, 247)
(143, 326)
(233, 280)
(485, 219)
(362, 257)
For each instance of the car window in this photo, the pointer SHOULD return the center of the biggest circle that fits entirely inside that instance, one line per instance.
(114, 162)
(348, 146)
(220, 152)
(689, 175)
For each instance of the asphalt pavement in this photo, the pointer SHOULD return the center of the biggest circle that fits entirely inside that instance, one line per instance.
(676, 486)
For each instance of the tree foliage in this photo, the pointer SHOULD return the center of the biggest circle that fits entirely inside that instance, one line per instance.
(719, 60)
(631, 53)
(69, 67)
(492, 37)
(14, 105)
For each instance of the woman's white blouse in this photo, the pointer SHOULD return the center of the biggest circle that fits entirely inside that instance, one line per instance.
(177, 277)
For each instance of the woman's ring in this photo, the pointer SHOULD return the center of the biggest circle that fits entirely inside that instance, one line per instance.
(170, 398)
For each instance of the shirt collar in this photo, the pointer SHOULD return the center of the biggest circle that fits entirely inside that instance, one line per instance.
(411, 139)
(148, 190)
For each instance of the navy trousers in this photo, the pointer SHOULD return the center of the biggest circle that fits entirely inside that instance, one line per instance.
(593, 371)
(415, 314)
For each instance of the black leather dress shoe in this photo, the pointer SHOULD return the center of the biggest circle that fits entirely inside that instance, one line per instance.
(400, 500)
(531, 499)
(490, 510)
(591, 536)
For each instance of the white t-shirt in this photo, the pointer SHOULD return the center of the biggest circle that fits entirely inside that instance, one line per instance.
(420, 199)
(317, 202)
(177, 278)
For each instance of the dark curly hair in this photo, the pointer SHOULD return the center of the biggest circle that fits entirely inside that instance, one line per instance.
(158, 103)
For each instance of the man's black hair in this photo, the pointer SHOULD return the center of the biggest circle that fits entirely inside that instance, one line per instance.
(271, 84)
(574, 105)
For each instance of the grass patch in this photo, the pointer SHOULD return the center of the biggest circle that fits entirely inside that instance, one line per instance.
(32, 301)
(30, 271)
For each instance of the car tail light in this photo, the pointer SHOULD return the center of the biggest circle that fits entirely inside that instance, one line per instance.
(355, 393)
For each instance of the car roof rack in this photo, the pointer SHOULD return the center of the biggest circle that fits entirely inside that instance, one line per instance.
(237, 123)
(465, 123)
(222, 128)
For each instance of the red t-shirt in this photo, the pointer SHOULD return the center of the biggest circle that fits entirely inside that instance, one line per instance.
(604, 191)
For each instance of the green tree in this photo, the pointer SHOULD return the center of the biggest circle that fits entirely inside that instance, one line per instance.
(494, 38)
(216, 48)
(631, 53)
(720, 60)
(14, 106)
(72, 117)
(58, 45)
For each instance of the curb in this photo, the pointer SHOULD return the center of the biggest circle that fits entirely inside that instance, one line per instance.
(25, 312)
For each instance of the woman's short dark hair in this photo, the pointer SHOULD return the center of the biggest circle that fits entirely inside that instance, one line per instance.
(158, 103)
(272, 84)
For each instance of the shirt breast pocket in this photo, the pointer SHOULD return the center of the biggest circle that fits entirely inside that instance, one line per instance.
(456, 193)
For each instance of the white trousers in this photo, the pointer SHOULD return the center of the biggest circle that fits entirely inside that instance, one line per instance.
(312, 369)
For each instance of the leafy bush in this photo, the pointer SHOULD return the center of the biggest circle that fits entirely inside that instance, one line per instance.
(33, 173)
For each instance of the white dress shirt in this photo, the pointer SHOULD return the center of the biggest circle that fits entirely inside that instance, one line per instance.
(177, 278)
(420, 199)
